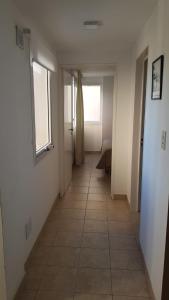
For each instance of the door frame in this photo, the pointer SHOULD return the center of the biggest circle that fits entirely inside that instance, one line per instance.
(145, 71)
(165, 286)
(138, 127)
(103, 67)
(61, 71)
(2, 261)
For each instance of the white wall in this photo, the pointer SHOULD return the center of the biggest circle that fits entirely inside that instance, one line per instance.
(107, 112)
(27, 189)
(155, 181)
(122, 135)
(93, 136)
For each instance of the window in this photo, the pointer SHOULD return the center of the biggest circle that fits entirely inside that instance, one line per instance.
(42, 107)
(92, 103)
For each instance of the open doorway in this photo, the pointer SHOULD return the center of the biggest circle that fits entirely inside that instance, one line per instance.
(98, 99)
(138, 129)
(94, 175)
(98, 114)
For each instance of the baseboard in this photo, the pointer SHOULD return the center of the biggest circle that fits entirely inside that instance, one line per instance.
(35, 244)
(120, 197)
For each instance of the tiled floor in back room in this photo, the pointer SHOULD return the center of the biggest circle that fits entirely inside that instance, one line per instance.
(88, 249)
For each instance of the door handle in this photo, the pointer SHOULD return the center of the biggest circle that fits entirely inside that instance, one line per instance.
(70, 129)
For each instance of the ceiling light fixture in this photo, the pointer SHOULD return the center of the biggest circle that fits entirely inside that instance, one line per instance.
(92, 25)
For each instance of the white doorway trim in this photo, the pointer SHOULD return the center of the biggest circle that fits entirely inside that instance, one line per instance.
(114, 135)
(62, 184)
(111, 70)
(138, 126)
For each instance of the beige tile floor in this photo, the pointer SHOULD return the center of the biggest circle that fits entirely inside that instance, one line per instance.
(88, 249)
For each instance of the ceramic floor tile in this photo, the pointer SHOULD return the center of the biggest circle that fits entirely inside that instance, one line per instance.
(94, 297)
(130, 298)
(76, 189)
(82, 178)
(94, 281)
(69, 225)
(75, 196)
(96, 214)
(129, 283)
(71, 239)
(35, 271)
(61, 280)
(30, 284)
(121, 205)
(103, 179)
(94, 258)
(63, 257)
(95, 226)
(72, 204)
(122, 228)
(46, 238)
(95, 240)
(98, 172)
(26, 296)
(95, 176)
(39, 255)
(52, 295)
(68, 213)
(97, 197)
(118, 215)
(80, 183)
(126, 259)
(99, 184)
(123, 242)
(49, 229)
(82, 171)
(97, 190)
(92, 204)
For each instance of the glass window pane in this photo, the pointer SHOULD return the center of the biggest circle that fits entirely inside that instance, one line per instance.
(40, 80)
(91, 99)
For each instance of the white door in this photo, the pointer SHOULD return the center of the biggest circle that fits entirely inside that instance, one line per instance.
(2, 270)
(68, 130)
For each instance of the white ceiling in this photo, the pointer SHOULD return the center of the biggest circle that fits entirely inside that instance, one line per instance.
(62, 22)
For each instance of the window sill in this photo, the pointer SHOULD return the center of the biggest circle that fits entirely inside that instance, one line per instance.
(41, 153)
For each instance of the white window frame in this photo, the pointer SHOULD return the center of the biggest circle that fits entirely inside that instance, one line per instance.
(95, 83)
(49, 146)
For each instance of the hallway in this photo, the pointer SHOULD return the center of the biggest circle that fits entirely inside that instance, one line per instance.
(88, 248)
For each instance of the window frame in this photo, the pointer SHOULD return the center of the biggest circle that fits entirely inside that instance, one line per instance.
(49, 146)
(100, 84)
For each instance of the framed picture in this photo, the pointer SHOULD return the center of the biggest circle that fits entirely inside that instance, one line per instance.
(157, 78)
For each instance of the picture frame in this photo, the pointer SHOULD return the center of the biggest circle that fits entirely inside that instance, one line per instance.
(157, 78)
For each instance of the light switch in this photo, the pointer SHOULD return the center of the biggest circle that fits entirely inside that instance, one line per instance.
(163, 139)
